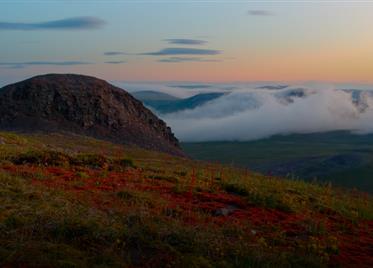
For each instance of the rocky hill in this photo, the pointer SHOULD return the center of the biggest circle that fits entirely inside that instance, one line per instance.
(83, 105)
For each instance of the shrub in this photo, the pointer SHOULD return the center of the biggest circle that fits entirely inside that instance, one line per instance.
(180, 173)
(90, 160)
(171, 179)
(126, 195)
(82, 175)
(123, 163)
(235, 189)
(42, 158)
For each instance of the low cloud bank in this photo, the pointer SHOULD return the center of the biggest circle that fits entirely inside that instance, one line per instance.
(248, 114)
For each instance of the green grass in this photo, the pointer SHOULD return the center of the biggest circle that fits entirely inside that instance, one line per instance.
(72, 201)
(42, 228)
(304, 156)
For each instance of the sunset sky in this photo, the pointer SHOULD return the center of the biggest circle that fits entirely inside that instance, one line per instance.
(216, 41)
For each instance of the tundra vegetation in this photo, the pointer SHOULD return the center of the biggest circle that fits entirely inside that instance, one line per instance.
(73, 201)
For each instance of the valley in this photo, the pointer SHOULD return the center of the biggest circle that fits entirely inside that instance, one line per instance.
(341, 158)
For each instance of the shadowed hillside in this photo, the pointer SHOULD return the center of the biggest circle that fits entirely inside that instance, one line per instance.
(165, 104)
(83, 105)
(339, 157)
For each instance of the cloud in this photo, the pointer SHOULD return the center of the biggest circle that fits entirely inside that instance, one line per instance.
(181, 59)
(76, 23)
(263, 13)
(183, 51)
(115, 53)
(185, 41)
(249, 114)
(12, 66)
(115, 62)
(18, 65)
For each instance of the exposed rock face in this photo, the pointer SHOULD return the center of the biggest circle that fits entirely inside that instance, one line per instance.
(83, 105)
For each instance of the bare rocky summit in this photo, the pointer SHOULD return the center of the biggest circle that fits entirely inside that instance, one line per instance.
(83, 105)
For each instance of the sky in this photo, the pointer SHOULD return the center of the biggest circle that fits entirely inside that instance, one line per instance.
(210, 41)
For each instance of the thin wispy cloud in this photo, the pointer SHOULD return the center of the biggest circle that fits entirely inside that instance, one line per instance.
(183, 41)
(18, 65)
(259, 12)
(14, 66)
(115, 62)
(182, 51)
(76, 23)
(114, 53)
(181, 59)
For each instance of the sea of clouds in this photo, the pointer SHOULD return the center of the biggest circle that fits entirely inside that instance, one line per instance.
(251, 111)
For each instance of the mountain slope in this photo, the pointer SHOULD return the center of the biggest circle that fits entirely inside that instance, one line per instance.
(149, 95)
(340, 157)
(172, 106)
(83, 105)
(73, 201)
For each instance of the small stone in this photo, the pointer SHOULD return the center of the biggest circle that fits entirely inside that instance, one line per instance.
(225, 211)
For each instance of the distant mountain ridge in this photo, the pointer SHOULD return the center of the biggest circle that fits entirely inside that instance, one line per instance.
(149, 95)
(83, 105)
(164, 103)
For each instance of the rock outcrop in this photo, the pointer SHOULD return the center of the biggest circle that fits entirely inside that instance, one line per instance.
(83, 105)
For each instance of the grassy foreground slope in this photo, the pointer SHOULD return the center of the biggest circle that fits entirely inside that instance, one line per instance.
(339, 157)
(72, 201)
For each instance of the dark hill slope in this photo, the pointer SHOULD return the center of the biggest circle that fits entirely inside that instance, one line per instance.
(176, 105)
(149, 95)
(83, 105)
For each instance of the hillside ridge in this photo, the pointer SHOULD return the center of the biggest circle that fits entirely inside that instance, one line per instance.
(83, 105)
